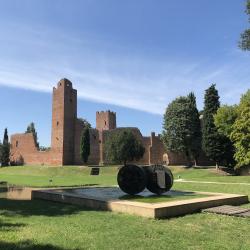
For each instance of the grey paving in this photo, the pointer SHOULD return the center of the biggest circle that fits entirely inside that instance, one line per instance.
(229, 210)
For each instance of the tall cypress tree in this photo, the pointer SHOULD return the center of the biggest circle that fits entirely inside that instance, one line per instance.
(212, 141)
(5, 154)
(85, 145)
(194, 128)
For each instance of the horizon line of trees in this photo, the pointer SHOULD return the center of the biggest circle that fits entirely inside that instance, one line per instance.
(222, 133)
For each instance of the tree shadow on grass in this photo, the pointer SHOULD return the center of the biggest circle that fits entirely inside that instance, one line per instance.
(27, 245)
(10, 226)
(37, 208)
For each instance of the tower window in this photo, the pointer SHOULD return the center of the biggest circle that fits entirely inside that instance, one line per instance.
(16, 143)
(105, 122)
(57, 123)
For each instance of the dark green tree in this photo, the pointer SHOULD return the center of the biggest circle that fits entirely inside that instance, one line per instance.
(85, 141)
(181, 127)
(122, 146)
(212, 140)
(174, 125)
(5, 149)
(31, 129)
(85, 144)
(245, 36)
(194, 128)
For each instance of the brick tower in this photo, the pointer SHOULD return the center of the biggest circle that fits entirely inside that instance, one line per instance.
(64, 114)
(105, 120)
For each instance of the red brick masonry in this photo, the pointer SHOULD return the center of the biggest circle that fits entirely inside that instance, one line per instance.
(66, 133)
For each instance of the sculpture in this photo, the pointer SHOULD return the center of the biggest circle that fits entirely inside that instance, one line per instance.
(133, 179)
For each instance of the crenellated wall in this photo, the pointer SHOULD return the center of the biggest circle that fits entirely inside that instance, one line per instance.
(66, 136)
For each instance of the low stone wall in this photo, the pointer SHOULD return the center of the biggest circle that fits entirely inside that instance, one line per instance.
(23, 146)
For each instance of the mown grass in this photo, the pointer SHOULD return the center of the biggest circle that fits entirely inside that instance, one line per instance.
(207, 175)
(40, 176)
(45, 176)
(163, 197)
(47, 225)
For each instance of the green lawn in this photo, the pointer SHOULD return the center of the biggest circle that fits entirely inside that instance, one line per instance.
(40, 176)
(162, 198)
(47, 225)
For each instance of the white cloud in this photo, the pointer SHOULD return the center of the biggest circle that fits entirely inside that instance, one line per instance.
(127, 80)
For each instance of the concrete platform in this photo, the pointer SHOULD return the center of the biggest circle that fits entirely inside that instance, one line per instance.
(109, 198)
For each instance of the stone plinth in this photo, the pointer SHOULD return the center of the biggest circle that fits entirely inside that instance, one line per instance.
(109, 198)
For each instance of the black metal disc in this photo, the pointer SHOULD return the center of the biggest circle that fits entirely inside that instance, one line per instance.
(152, 182)
(132, 179)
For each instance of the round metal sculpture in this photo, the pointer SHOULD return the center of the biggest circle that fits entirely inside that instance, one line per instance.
(132, 179)
(160, 179)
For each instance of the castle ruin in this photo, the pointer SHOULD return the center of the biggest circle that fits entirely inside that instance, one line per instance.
(66, 134)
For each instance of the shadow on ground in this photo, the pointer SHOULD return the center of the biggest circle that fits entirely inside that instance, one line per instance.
(10, 226)
(36, 208)
(27, 245)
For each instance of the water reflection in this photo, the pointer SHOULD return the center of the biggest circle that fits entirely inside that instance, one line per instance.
(11, 192)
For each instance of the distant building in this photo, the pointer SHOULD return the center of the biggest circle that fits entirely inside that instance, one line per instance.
(66, 134)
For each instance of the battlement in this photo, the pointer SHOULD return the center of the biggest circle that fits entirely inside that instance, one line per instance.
(64, 82)
(107, 111)
(105, 120)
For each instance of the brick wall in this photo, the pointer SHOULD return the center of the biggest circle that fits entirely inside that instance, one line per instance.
(105, 120)
(23, 145)
(66, 135)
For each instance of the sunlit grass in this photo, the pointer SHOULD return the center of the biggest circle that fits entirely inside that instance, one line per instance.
(48, 225)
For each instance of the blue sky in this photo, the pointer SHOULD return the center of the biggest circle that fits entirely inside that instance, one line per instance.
(132, 56)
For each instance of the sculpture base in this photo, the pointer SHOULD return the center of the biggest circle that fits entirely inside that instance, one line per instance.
(113, 199)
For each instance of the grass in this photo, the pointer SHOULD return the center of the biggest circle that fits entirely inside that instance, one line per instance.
(47, 225)
(163, 198)
(40, 176)
(208, 175)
